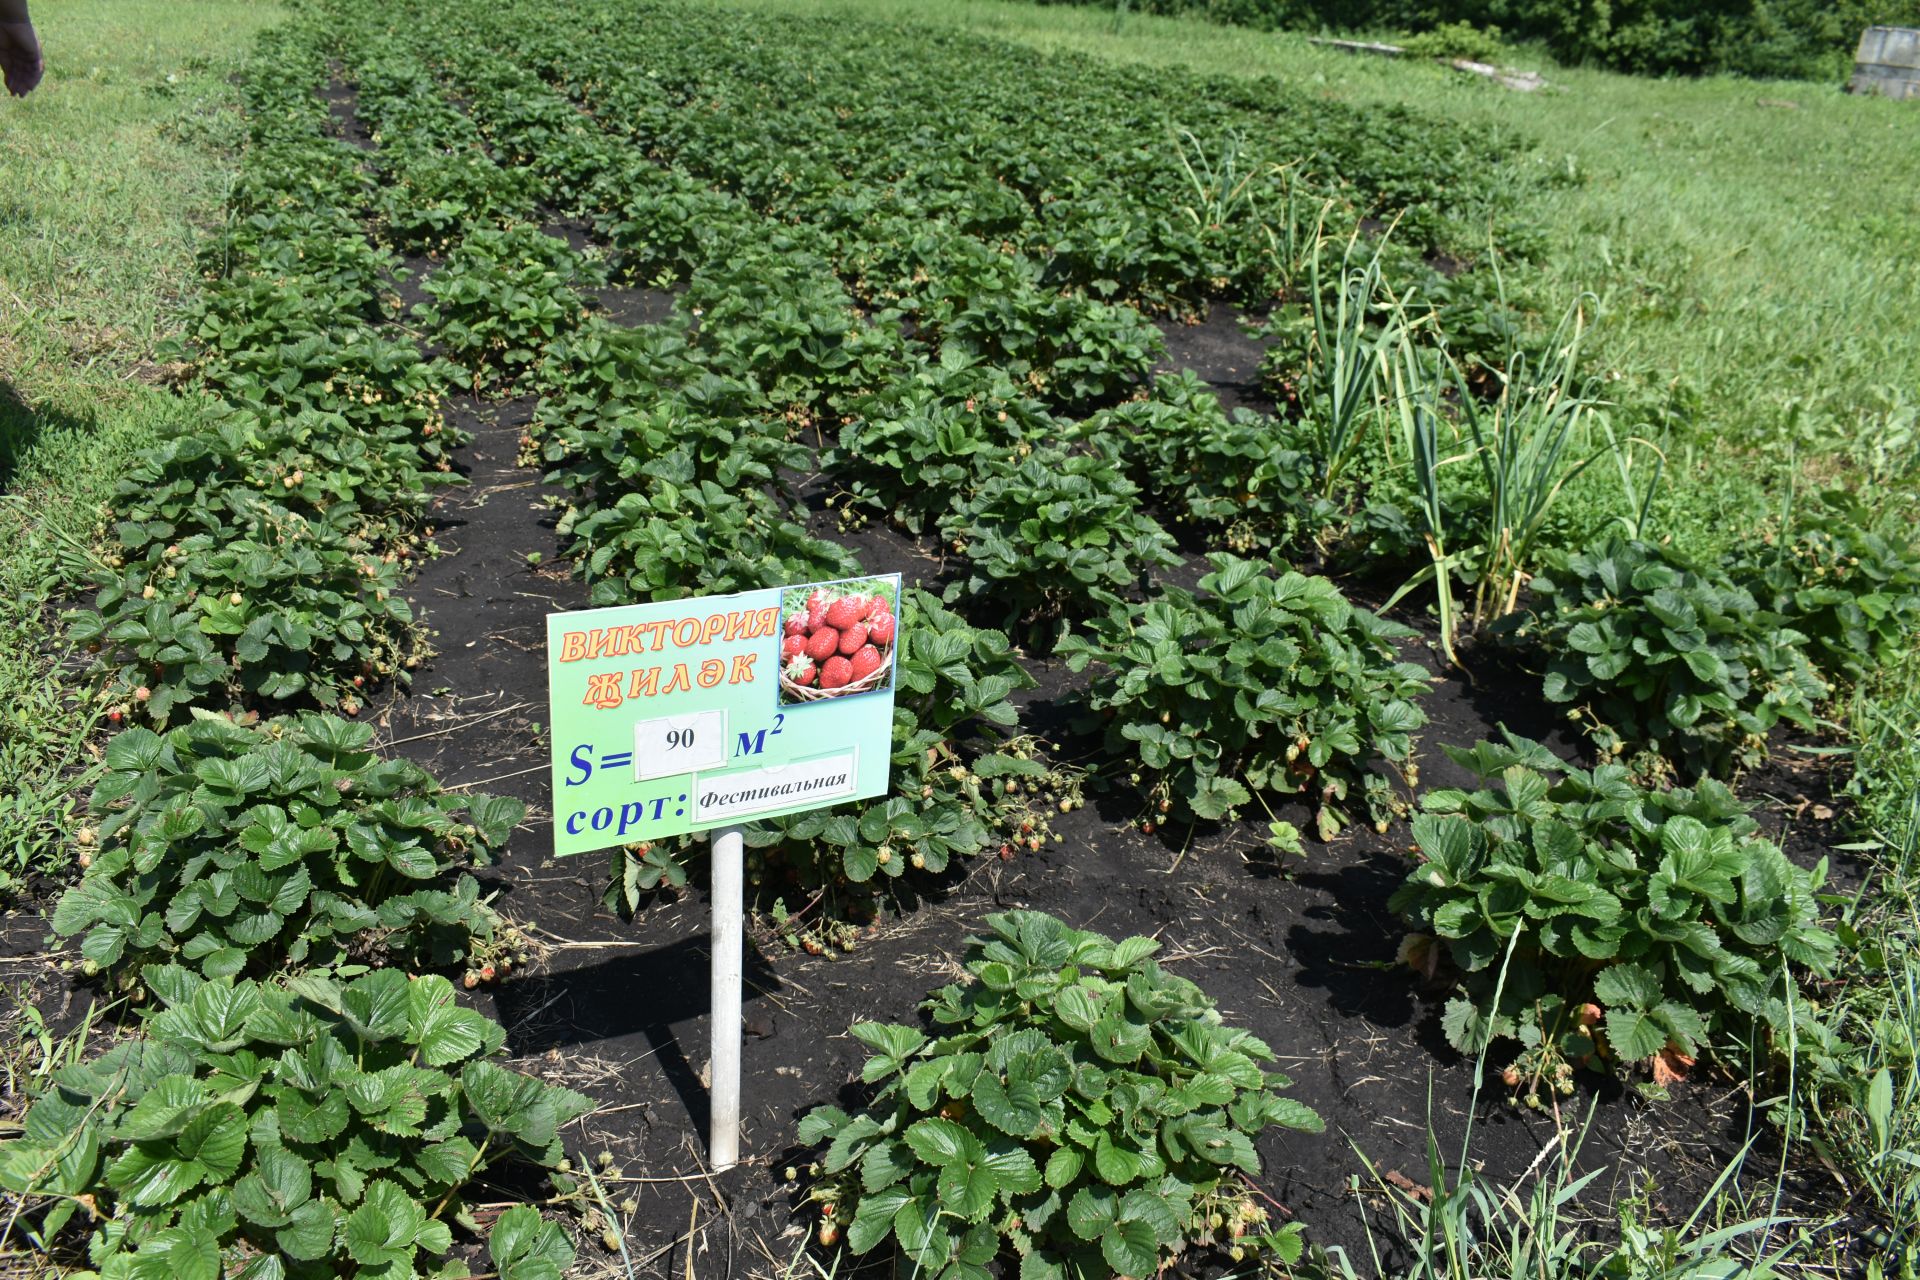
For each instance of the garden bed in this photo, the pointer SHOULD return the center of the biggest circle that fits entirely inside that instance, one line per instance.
(784, 333)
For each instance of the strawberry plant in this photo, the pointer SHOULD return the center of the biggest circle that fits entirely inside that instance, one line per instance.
(324, 248)
(1238, 473)
(271, 608)
(501, 297)
(435, 195)
(239, 463)
(773, 313)
(1053, 534)
(258, 308)
(1078, 1108)
(605, 371)
(1854, 593)
(1675, 659)
(698, 538)
(1069, 349)
(912, 467)
(909, 450)
(666, 442)
(1267, 681)
(665, 223)
(379, 386)
(292, 845)
(261, 1130)
(1615, 922)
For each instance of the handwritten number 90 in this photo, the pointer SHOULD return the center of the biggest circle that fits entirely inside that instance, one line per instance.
(678, 738)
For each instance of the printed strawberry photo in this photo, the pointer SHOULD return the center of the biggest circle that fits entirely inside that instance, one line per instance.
(837, 639)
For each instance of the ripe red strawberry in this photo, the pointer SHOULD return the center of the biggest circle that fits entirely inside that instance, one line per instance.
(817, 600)
(797, 624)
(836, 673)
(880, 629)
(866, 661)
(823, 644)
(842, 613)
(852, 638)
(794, 644)
(878, 608)
(816, 617)
(801, 670)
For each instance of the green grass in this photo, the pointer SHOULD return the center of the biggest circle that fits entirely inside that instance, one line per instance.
(109, 169)
(1755, 247)
(1865, 1115)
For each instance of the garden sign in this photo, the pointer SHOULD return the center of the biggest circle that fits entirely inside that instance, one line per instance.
(689, 715)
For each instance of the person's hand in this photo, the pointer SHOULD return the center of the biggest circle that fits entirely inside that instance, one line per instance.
(20, 61)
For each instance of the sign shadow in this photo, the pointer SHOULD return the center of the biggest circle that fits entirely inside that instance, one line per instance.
(659, 995)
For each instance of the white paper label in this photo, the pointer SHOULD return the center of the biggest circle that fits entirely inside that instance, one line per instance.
(674, 745)
(738, 795)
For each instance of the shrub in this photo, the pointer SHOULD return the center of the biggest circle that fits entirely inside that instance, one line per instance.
(1081, 1108)
(1452, 40)
(1267, 681)
(1667, 656)
(292, 845)
(1807, 39)
(1660, 912)
(1054, 535)
(1852, 592)
(260, 1130)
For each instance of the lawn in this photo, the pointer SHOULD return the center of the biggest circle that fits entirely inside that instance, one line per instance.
(1406, 705)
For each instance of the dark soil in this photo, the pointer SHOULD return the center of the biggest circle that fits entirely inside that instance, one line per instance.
(1219, 352)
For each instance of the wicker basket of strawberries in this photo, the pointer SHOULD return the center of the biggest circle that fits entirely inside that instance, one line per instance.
(836, 644)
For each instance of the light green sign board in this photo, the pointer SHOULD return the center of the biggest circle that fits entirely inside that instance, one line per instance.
(688, 714)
